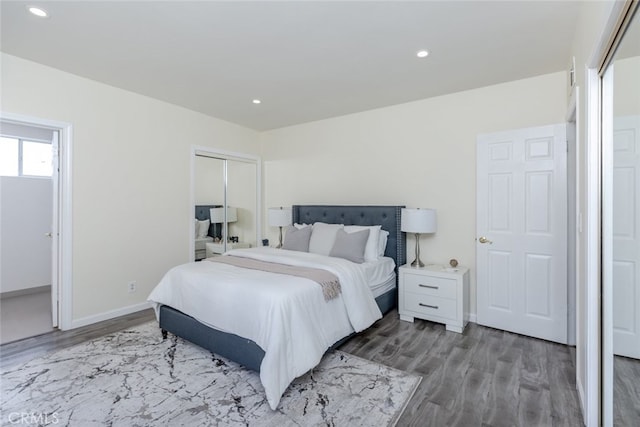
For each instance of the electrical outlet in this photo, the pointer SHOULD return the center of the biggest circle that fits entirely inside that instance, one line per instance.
(132, 287)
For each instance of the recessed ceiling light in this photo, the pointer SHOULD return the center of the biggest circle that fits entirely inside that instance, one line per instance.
(256, 101)
(38, 11)
(422, 54)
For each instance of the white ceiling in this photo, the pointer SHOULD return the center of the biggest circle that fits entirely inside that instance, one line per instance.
(305, 60)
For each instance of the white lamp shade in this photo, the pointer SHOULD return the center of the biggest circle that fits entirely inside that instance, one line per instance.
(217, 215)
(279, 217)
(418, 220)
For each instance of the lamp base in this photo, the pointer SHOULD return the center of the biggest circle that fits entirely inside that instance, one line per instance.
(280, 244)
(417, 263)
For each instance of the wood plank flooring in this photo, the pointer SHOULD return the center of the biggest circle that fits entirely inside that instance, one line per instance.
(30, 348)
(484, 377)
(626, 392)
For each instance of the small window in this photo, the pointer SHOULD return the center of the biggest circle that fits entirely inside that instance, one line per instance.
(36, 159)
(19, 157)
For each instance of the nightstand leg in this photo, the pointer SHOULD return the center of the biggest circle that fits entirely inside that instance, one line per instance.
(406, 318)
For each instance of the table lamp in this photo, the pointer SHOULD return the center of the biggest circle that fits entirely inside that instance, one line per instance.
(279, 217)
(418, 221)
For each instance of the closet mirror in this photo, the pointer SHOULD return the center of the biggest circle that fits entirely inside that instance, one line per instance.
(621, 229)
(225, 202)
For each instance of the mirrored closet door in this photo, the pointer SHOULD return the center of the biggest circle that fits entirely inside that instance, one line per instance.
(225, 202)
(621, 228)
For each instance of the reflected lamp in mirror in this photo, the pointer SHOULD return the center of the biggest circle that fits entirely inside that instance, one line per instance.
(279, 217)
(218, 216)
(418, 221)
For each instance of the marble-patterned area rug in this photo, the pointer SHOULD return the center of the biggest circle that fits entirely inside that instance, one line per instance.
(134, 378)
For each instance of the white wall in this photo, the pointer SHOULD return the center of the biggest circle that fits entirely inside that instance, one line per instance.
(26, 209)
(131, 178)
(419, 154)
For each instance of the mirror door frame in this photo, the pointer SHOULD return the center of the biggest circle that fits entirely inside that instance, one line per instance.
(620, 20)
(198, 150)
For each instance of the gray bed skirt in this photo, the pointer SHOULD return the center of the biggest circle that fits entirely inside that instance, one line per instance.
(230, 346)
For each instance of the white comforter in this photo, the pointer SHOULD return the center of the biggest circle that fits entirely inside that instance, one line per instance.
(286, 316)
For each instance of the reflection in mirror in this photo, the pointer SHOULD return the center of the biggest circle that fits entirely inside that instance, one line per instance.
(208, 193)
(225, 191)
(241, 195)
(625, 229)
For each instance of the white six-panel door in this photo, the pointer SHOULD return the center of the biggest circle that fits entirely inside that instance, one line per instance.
(626, 243)
(522, 231)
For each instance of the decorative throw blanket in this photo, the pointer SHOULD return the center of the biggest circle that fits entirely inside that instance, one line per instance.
(328, 281)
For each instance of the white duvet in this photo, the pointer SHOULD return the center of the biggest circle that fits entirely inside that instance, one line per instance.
(286, 316)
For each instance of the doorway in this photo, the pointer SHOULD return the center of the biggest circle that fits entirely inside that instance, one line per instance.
(35, 285)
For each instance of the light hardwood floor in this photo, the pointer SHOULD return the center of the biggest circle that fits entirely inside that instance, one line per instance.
(484, 377)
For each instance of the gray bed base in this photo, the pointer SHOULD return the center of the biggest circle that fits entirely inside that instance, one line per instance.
(233, 347)
(248, 353)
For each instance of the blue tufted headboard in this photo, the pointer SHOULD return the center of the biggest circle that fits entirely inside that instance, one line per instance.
(387, 216)
(202, 213)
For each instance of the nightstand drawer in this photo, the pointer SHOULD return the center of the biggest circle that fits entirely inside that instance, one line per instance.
(430, 305)
(430, 285)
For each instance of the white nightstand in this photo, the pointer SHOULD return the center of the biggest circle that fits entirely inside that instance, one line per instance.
(435, 293)
(200, 251)
(218, 248)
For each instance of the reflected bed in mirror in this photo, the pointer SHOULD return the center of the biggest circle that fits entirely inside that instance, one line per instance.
(205, 230)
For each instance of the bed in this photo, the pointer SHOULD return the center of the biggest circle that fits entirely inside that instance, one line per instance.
(189, 324)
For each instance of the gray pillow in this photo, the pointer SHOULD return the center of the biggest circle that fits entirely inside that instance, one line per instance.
(350, 245)
(297, 239)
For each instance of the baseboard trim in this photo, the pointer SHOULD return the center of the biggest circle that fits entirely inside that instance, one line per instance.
(472, 318)
(26, 291)
(107, 315)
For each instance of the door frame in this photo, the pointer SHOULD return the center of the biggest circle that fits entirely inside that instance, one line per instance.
(62, 247)
(573, 208)
(597, 405)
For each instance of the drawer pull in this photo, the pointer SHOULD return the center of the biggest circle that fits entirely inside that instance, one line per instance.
(435, 307)
(428, 286)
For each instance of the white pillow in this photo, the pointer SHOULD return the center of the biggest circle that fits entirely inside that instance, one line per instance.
(301, 226)
(371, 249)
(323, 236)
(203, 229)
(195, 228)
(382, 242)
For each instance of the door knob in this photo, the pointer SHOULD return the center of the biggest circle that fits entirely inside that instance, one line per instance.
(483, 239)
(48, 234)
